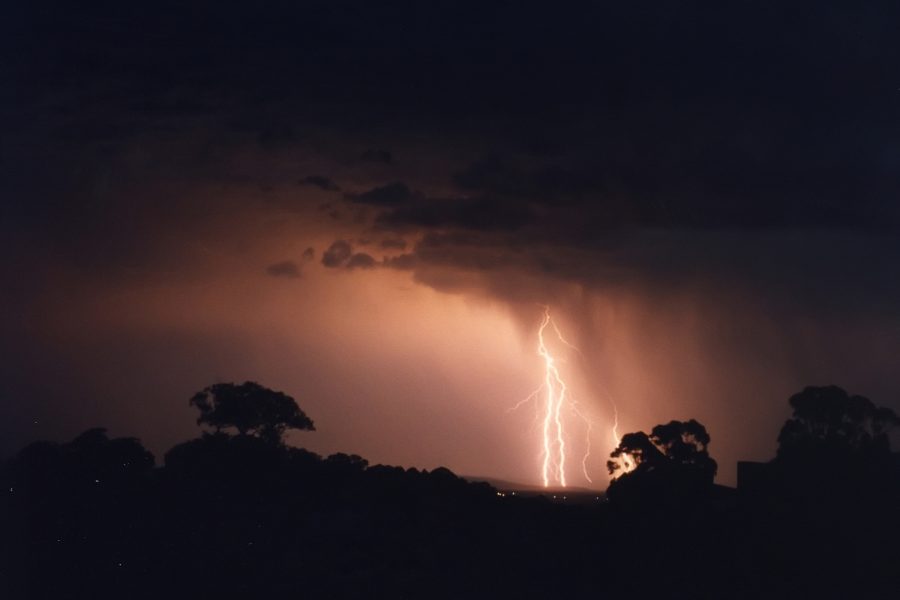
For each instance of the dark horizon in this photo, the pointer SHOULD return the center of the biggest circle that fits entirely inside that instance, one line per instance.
(237, 511)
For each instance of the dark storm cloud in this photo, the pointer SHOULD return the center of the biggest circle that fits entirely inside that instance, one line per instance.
(713, 117)
(403, 262)
(718, 190)
(321, 182)
(393, 244)
(286, 268)
(337, 254)
(277, 137)
(820, 273)
(392, 194)
(480, 214)
(478, 251)
(377, 155)
(543, 183)
(405, 208)
(622, 119)
(361, 260)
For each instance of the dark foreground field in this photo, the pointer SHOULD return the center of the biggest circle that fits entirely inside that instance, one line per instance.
(235, 517)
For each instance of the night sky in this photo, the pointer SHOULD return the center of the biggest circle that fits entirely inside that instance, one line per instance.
(365, 204)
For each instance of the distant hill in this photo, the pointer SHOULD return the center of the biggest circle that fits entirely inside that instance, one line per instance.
(573, 495)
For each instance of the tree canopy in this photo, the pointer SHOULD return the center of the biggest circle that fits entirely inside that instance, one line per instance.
(680, 444)
(828, 422)
(673, 457)
(251, 409)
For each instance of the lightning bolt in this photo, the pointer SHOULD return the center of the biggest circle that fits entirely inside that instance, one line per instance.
(587, 441)
(628, 463)
(556, 401)
(554, 452)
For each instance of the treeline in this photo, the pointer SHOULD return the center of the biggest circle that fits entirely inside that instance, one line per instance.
(236, 513)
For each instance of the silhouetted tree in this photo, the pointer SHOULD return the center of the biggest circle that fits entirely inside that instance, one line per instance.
(90, 458)
(829, 423)
(673, 460)
(835, 452)
(681, 444)
(251, 409)
(635, 451)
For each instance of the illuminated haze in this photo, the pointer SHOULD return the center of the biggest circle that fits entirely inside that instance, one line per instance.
(373, 229)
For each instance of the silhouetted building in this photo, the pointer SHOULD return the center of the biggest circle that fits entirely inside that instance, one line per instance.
(755, 478)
